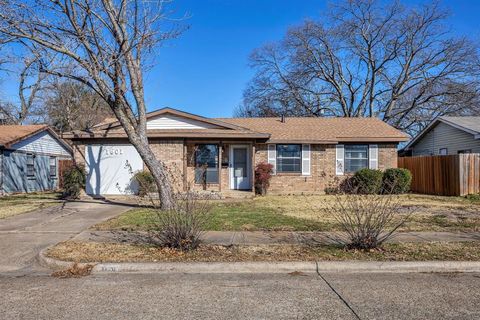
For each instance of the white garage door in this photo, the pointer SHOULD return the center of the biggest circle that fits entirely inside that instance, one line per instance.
(110, 169)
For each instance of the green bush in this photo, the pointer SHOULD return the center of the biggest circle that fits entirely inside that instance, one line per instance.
(367, 181)
(146, 183)
(473, 197)
(396, 181)
(73, 182)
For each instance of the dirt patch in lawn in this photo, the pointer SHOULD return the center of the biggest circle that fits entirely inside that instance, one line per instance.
(113, 252)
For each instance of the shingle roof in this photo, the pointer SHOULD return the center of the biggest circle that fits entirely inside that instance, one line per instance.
(308, 130)
(10, 134)
(315, 129)
(469, 123)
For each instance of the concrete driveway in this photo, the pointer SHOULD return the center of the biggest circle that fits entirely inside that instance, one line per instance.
(23, 236)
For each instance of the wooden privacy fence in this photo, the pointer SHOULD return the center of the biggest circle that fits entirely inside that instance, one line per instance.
(452, 175)
(63, 165)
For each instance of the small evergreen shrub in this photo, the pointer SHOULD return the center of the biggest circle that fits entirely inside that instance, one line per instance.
(73, 182)
(368, 181)
(146, 182)
(396, 181)
(263, 174)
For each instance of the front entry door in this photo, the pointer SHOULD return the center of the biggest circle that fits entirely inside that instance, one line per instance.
(240, 170)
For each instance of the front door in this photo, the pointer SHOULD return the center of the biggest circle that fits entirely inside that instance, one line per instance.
(240, 170)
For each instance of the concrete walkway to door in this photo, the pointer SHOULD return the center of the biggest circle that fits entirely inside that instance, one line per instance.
(23, 236)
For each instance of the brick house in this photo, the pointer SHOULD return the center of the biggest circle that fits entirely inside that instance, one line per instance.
(308, 154)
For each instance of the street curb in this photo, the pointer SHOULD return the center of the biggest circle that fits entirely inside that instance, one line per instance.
(271, 267)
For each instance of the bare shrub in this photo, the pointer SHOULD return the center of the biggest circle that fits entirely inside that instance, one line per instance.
(182, 226)
(367, 220)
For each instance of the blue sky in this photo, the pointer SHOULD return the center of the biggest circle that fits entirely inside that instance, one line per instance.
(206, 69)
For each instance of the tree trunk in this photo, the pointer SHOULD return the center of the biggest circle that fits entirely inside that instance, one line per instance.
(158, 170)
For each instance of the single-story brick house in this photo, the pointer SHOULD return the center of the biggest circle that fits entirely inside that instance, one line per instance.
(308, 154)
(29, 156)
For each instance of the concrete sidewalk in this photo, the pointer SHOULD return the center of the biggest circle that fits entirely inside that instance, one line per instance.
(275, 237)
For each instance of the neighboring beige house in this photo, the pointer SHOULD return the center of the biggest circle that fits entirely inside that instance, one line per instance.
(308, 154)
(447, 135)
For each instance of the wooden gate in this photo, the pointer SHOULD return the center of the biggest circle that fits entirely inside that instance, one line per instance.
(452, 175)
(63, 165)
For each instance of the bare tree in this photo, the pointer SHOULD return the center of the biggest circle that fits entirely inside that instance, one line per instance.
(31, 84)
(367, 58)
(106, 44)
(74, 106)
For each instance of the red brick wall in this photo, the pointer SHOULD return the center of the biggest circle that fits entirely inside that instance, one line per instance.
(322, 171)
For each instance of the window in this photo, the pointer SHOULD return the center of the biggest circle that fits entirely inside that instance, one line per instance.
(356, 157)
(53, 166)
(443, 151)
(206, 163)
(30, 165)
(465, 151)
(289, 158)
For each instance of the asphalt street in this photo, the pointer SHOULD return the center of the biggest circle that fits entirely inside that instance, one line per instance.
(241, 296)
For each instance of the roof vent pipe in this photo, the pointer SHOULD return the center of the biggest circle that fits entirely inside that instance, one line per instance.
(282, 119)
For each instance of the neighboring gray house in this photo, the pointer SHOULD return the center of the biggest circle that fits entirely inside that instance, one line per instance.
(447, 135)
(29, 158)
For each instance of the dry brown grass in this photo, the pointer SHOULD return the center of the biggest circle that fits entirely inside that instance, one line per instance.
(431, 213)
(310, 213)
(113, 252)
(22, 203)
(75, 271)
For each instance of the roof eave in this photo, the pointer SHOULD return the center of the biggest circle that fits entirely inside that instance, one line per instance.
(373, 139)
(250, 135)
(179, 113)
(17, 140)
(298, 141)
(476, 135)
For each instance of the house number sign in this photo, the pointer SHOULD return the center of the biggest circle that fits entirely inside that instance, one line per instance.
(113, 151)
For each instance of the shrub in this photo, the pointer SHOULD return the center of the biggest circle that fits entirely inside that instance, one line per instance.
(367, 181)
(332, 190)
(181, 227)
(73, 182)
(263, 174)
(473, 197)
(367, 221)
(146, 182)
(396, 181)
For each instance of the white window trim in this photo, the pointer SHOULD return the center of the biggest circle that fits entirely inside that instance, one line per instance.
(306, 159)
(272, 156)
(340, 159)
(373, 156)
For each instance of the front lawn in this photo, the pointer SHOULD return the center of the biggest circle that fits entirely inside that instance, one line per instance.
(121, 252)
(22, 203)
(226, 216)
(310, 213)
